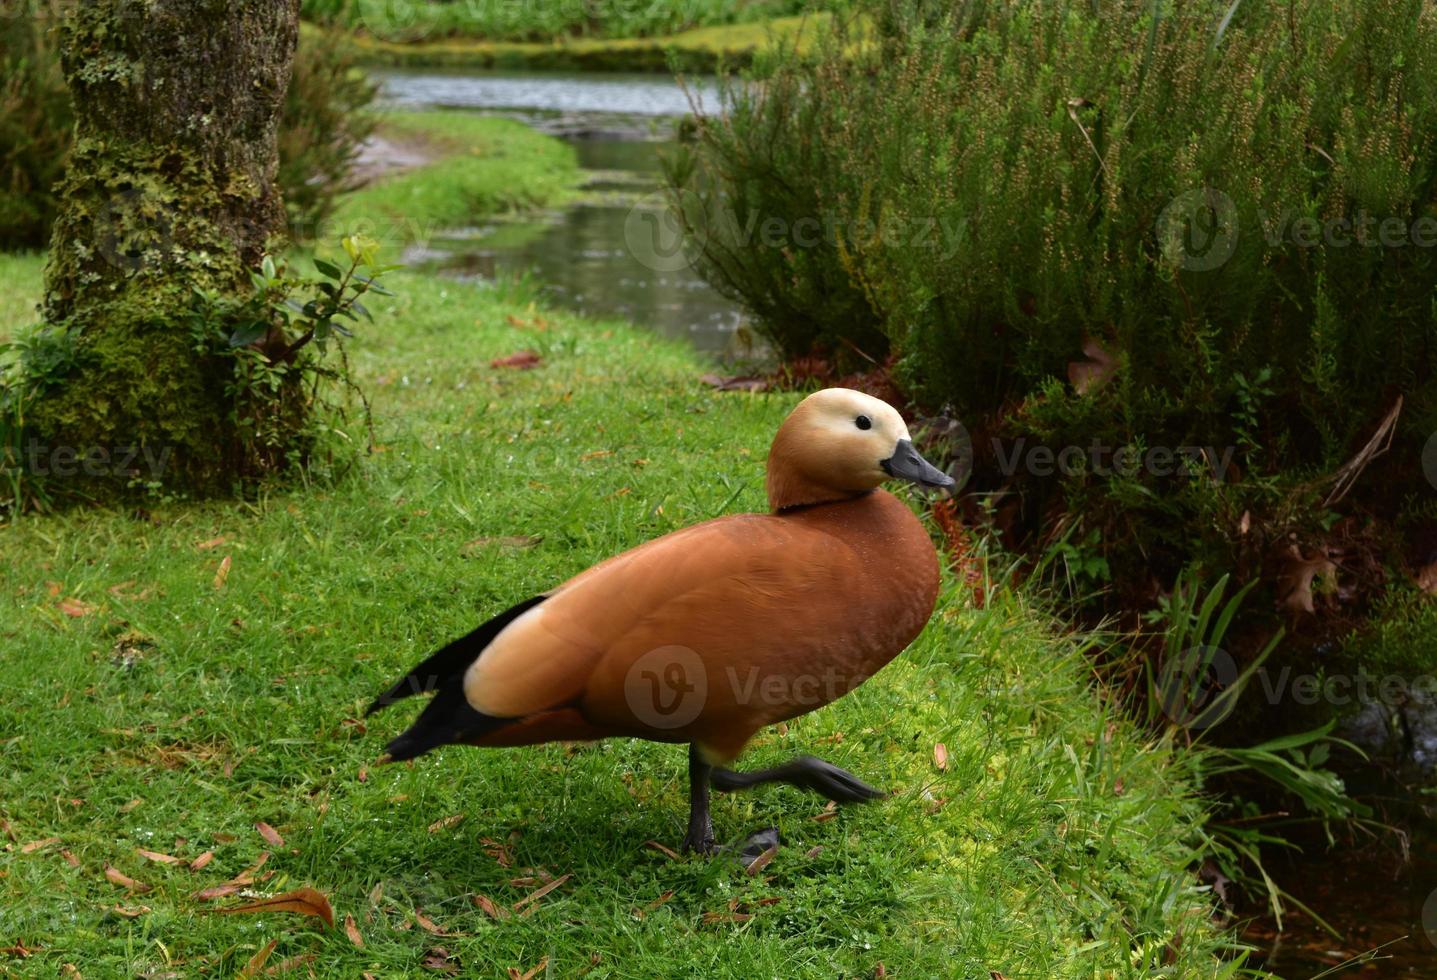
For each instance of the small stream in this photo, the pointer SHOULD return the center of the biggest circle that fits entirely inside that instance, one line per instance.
(596, 255)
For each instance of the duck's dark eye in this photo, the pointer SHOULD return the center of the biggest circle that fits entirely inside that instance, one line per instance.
(863, 422)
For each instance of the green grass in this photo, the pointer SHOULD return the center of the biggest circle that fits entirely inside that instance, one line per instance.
(19, 291)
(486, 165)
(499, 20)
(701, 49)
(150, 705)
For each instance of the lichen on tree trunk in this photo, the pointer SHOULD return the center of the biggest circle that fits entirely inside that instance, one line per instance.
(170, 189)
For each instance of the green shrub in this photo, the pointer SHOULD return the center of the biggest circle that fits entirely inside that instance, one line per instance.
(1088, 224)
(35, 122)
(323, 126)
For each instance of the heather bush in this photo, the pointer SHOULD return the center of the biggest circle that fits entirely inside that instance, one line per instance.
(1118, 225)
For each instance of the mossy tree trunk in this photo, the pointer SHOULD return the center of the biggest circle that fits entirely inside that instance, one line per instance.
(170, 188)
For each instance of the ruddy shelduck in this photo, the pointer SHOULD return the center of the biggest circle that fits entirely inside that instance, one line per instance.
(708, 634)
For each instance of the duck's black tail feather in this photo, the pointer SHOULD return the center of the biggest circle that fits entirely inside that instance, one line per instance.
(449, 663)
(447, 720)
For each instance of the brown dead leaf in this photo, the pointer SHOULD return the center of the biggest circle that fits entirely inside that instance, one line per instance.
(246, 877)
(814, 852)
(76, 608)
(745, 382)
(270, 835)
(156, 856)
(523, 360)
(1119, 787)
(36, 845)
(714, 918)
(762, 861)
(118, 877)
(490, 908)
(303, 901)
(539, 893)
(667, 852)
(829, 812)
(285, 965)
(258, 960)
(70, 858)
(1099, 367)
(220, 891)
(200, 862)
(940, 756)
(20, 950)
(351, 929)
(212, 543)
(126, 808)
(439, 960)
(640, 913)
(129, 912)
(529, 974)
(1427, 578)
(222, 574)
(1296, 584)
(428, 924)
(446, 823)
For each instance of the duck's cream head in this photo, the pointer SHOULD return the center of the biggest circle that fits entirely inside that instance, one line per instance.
(839, 444)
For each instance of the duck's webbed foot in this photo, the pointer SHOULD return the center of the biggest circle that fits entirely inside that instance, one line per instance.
(805, 772)
(700, 836)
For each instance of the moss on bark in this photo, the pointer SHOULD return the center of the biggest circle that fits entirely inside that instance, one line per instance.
(170, 189)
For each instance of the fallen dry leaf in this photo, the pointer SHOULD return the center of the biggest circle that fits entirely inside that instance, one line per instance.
(75, 608)
(36, 845)
(1099, 367)
(1427, 578)
(529, 974)
(352, 931)
(156, 856)
(428, 924)
(640, 913)
(439, 960)
(70, 859)
(126, 808)
(304, 901)
(1295, 585)
(523, 360)
(762, 861)
(667, 852)
(537, 894)
(212, 543)
(246, 876)
(129, 913)
(284, 966)
(489, 907)
(258, 960)
(118, 877)
(814, 852)
(222, 574)
(940, 756)
(446, 823)
(220, 891)
(199, 863)
(270, 835)
(829, 812)
(713, 918)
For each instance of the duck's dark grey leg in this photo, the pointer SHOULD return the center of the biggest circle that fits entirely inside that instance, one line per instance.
(805, 772)
(700, 837)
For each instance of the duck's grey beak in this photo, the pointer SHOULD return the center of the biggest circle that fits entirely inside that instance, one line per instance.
(906, 464)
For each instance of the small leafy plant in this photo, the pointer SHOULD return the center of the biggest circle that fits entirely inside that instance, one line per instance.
(279, 336)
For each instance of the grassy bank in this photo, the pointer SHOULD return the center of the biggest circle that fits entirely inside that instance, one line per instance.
(176, 674)
(701, 49)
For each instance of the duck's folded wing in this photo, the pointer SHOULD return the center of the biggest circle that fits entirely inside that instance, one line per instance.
(725, 594)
